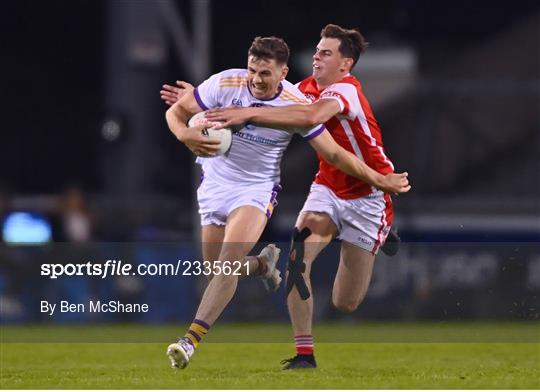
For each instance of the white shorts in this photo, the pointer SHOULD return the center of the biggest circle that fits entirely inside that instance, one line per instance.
(364, 222)
(217, 201)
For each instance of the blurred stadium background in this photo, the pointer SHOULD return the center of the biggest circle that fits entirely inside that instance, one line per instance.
(89, 170)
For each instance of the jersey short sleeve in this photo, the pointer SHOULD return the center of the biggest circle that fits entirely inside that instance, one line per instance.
(206, 93)
(311, 133)
(345, 94)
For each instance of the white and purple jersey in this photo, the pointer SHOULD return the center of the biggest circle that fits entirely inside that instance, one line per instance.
(256, 152)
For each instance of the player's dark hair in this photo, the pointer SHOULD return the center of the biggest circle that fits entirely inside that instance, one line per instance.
(352, 42)
(268, 48)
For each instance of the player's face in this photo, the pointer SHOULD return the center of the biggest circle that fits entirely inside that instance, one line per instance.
(328, 63)
(264, 77)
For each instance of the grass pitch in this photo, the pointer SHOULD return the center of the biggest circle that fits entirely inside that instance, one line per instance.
(238, 364)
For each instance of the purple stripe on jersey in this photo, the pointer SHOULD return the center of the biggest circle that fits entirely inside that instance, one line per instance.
(199, 100)
(315, 134)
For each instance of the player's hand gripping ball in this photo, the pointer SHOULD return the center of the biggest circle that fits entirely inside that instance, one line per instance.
(224, 135)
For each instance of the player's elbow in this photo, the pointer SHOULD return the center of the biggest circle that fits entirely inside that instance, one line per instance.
(169, 116)
(332, 157)
(172, 123)
(170, 119)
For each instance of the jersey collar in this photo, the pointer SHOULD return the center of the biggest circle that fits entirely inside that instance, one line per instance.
(279, 90)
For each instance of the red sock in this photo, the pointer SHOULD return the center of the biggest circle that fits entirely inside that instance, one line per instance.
(304, 344)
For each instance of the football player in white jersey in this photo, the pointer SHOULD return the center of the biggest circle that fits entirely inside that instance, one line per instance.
(238, 191)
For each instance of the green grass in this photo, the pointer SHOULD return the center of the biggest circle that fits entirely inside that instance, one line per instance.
(411, 365)
(338, 332)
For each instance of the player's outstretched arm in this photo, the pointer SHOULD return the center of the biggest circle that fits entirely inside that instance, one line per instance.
(299, 116)
(337, 156)
(170, 94)
(178, 115)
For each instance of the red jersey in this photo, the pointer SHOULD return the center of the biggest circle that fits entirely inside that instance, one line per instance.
(355, 129)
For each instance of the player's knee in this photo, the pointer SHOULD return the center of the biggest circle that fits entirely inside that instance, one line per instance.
(345, 306)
